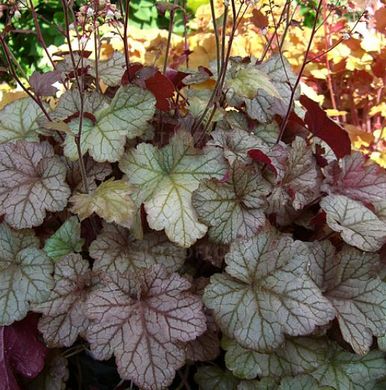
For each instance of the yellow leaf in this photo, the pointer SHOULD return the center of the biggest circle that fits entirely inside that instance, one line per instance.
(379, 158)
(332, 112)
(319, 73)
(310, 92)
(371, 42)
(359, 63)
(379, 109)
(111, 201)
(358, 137)
(9, 97)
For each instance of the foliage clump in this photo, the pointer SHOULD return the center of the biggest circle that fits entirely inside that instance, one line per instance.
(115, 196)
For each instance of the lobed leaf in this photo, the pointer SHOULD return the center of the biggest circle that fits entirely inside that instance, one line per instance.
(69, 104)
(32, 181)
(236, 143)
(111, 201)
(115, 250)
(343, 370)
(42, 83)
(359, 297)
(19, 121)
(125, 117)
(233, 209)
(268, 90)
(63, 311)
(25, 274)
(167, 179)
(294, 357)
(144, 322)
(110, 70)
(356, 178)
(266, 293)
(357, 225)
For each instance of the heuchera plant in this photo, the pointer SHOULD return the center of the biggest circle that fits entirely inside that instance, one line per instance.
(206, 219)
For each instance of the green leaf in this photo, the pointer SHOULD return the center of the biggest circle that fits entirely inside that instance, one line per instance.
(302, 382)
(233, 209)
(357, 224)
(167, 179)
(32, 181)
(116, 250)
(65, 240)
(267, 132)
(382, 343)
(349, 281)
(343, 370)
(296, 356)
(213, 378)
(125, 117)
(25, 274)
(19, 121)
(263, 384)
(266, 293)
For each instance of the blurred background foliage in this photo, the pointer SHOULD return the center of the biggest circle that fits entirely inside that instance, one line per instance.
(347, 75)
(143, 14)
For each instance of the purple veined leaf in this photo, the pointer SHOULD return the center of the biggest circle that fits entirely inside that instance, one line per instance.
(63, 317)
(349, 281)
(21, 353)
(343, 370)
(207, 346)
(357, 224)
(236, 143)
(43, 83)
(234, 208)
(32, 181)
(268, 270)
(116, 250)
(144, 320)
(356, 177)
(296, 181)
